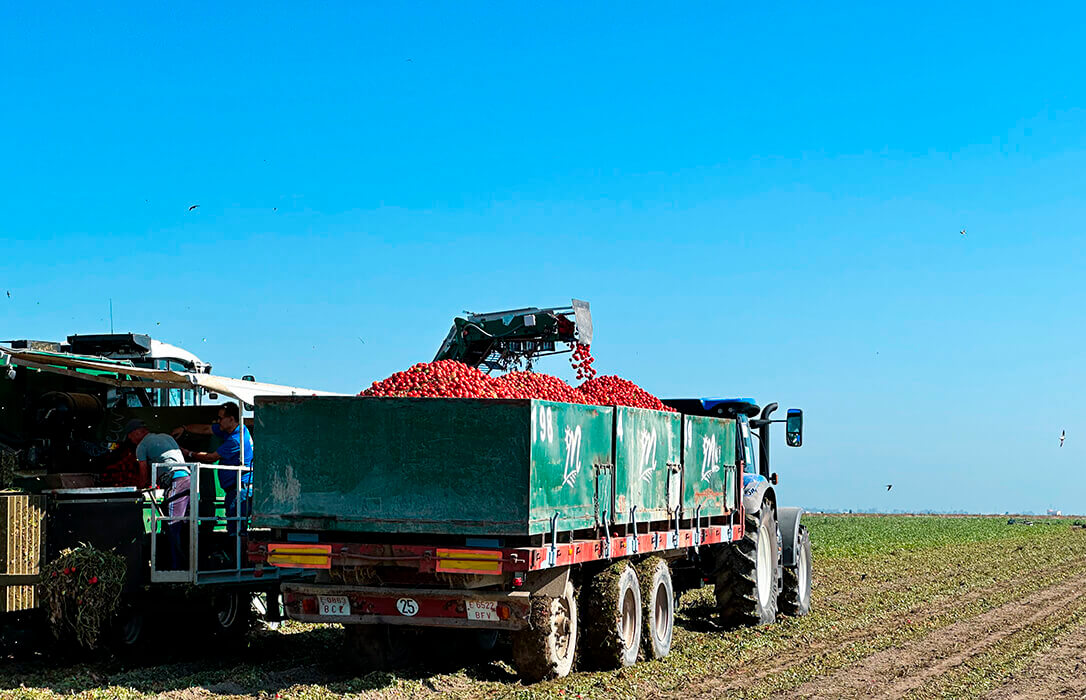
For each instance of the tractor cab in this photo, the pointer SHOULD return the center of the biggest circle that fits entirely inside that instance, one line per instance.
(751, 420)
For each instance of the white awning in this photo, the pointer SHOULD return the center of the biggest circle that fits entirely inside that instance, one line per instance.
(240, 389)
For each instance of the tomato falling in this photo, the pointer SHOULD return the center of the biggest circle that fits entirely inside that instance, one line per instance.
(582, 360)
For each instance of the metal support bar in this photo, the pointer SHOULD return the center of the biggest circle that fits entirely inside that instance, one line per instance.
(552, 553)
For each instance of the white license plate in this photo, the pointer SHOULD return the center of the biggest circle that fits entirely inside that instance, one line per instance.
(334, 605)
(482, 610)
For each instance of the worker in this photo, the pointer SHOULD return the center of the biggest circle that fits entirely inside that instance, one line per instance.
(161, 449)
(236, 441)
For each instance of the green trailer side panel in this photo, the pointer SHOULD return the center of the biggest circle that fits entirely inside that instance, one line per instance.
(432, 466)
(647, 466)
(569, 442)
(709, 472)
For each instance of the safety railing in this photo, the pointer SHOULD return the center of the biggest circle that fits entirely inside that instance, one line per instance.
(199, 537)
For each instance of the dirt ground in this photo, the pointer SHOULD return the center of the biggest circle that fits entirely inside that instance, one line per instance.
(904, 608)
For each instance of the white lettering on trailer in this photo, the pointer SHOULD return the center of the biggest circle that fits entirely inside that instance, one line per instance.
(545, 420)
(710, 452)
(573, 455)
(646, 456)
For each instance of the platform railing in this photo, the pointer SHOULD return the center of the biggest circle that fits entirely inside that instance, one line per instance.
(191, 572)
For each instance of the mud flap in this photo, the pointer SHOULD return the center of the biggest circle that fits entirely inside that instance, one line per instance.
(788, 522)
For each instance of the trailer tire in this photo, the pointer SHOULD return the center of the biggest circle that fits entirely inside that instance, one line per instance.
(129, 631)
(547, 648)
(795, 598)
(658, 607)
(612, 620)
(367, 646)
(746, 579)
(230, 614)
(381, 647)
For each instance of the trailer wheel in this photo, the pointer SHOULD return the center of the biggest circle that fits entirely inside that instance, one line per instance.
(547, 648)
(746, 577)
(130, 629)
(613, 617)
(658, 607)
(230, 614)
(380, 647)
(795, 598)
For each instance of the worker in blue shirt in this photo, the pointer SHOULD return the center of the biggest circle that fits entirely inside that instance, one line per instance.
(236, 442)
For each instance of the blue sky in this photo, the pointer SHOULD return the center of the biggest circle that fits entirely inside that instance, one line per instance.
(759, 202)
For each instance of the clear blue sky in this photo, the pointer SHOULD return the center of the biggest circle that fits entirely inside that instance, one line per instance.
(756, 202)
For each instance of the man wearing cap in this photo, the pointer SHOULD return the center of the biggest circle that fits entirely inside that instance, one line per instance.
(159, 448)
(236, 449)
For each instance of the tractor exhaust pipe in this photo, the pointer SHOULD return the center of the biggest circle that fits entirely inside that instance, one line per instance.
(763, 435)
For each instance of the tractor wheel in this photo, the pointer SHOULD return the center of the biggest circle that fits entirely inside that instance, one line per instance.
(547, 648)
(657, 607)
(795, 598)
(746, 579)
(612, 603)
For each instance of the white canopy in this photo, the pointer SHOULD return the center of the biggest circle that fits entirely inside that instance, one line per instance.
(240, 389)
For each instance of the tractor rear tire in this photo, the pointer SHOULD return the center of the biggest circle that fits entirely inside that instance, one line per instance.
(612, 604)
(658, 607)
(547, 648)
(746, 578)
(795, 598)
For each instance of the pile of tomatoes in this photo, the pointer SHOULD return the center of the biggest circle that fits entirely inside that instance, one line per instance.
(612, 390)
(533, 385)
(452, 379)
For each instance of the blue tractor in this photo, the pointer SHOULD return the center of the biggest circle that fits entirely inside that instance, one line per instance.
(769, 570)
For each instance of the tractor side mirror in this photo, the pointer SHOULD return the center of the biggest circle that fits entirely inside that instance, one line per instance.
(793, 429)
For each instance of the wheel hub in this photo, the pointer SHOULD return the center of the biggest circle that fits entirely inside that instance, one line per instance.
(562, 628)
(629, 619)
(661, 616)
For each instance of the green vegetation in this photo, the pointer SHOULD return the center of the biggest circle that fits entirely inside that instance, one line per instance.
(881, 583)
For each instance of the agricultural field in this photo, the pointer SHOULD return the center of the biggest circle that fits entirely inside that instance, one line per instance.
(913, 607)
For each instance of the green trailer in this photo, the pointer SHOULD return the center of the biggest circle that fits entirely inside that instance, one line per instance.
(466, 513)
(514, 468)
(431, 466)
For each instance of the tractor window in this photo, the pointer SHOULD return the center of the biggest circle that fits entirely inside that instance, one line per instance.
(750, 464)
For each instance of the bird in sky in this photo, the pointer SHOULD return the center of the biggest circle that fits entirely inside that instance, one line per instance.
(889, 486)
(9, 294)
(963, 231)
(194, 206)
(1063, 435)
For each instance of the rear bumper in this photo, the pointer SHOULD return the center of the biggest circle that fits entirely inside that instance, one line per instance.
(407, 606)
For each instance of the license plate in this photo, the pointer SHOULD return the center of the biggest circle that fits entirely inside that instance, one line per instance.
(334, 604)
(482, 610)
